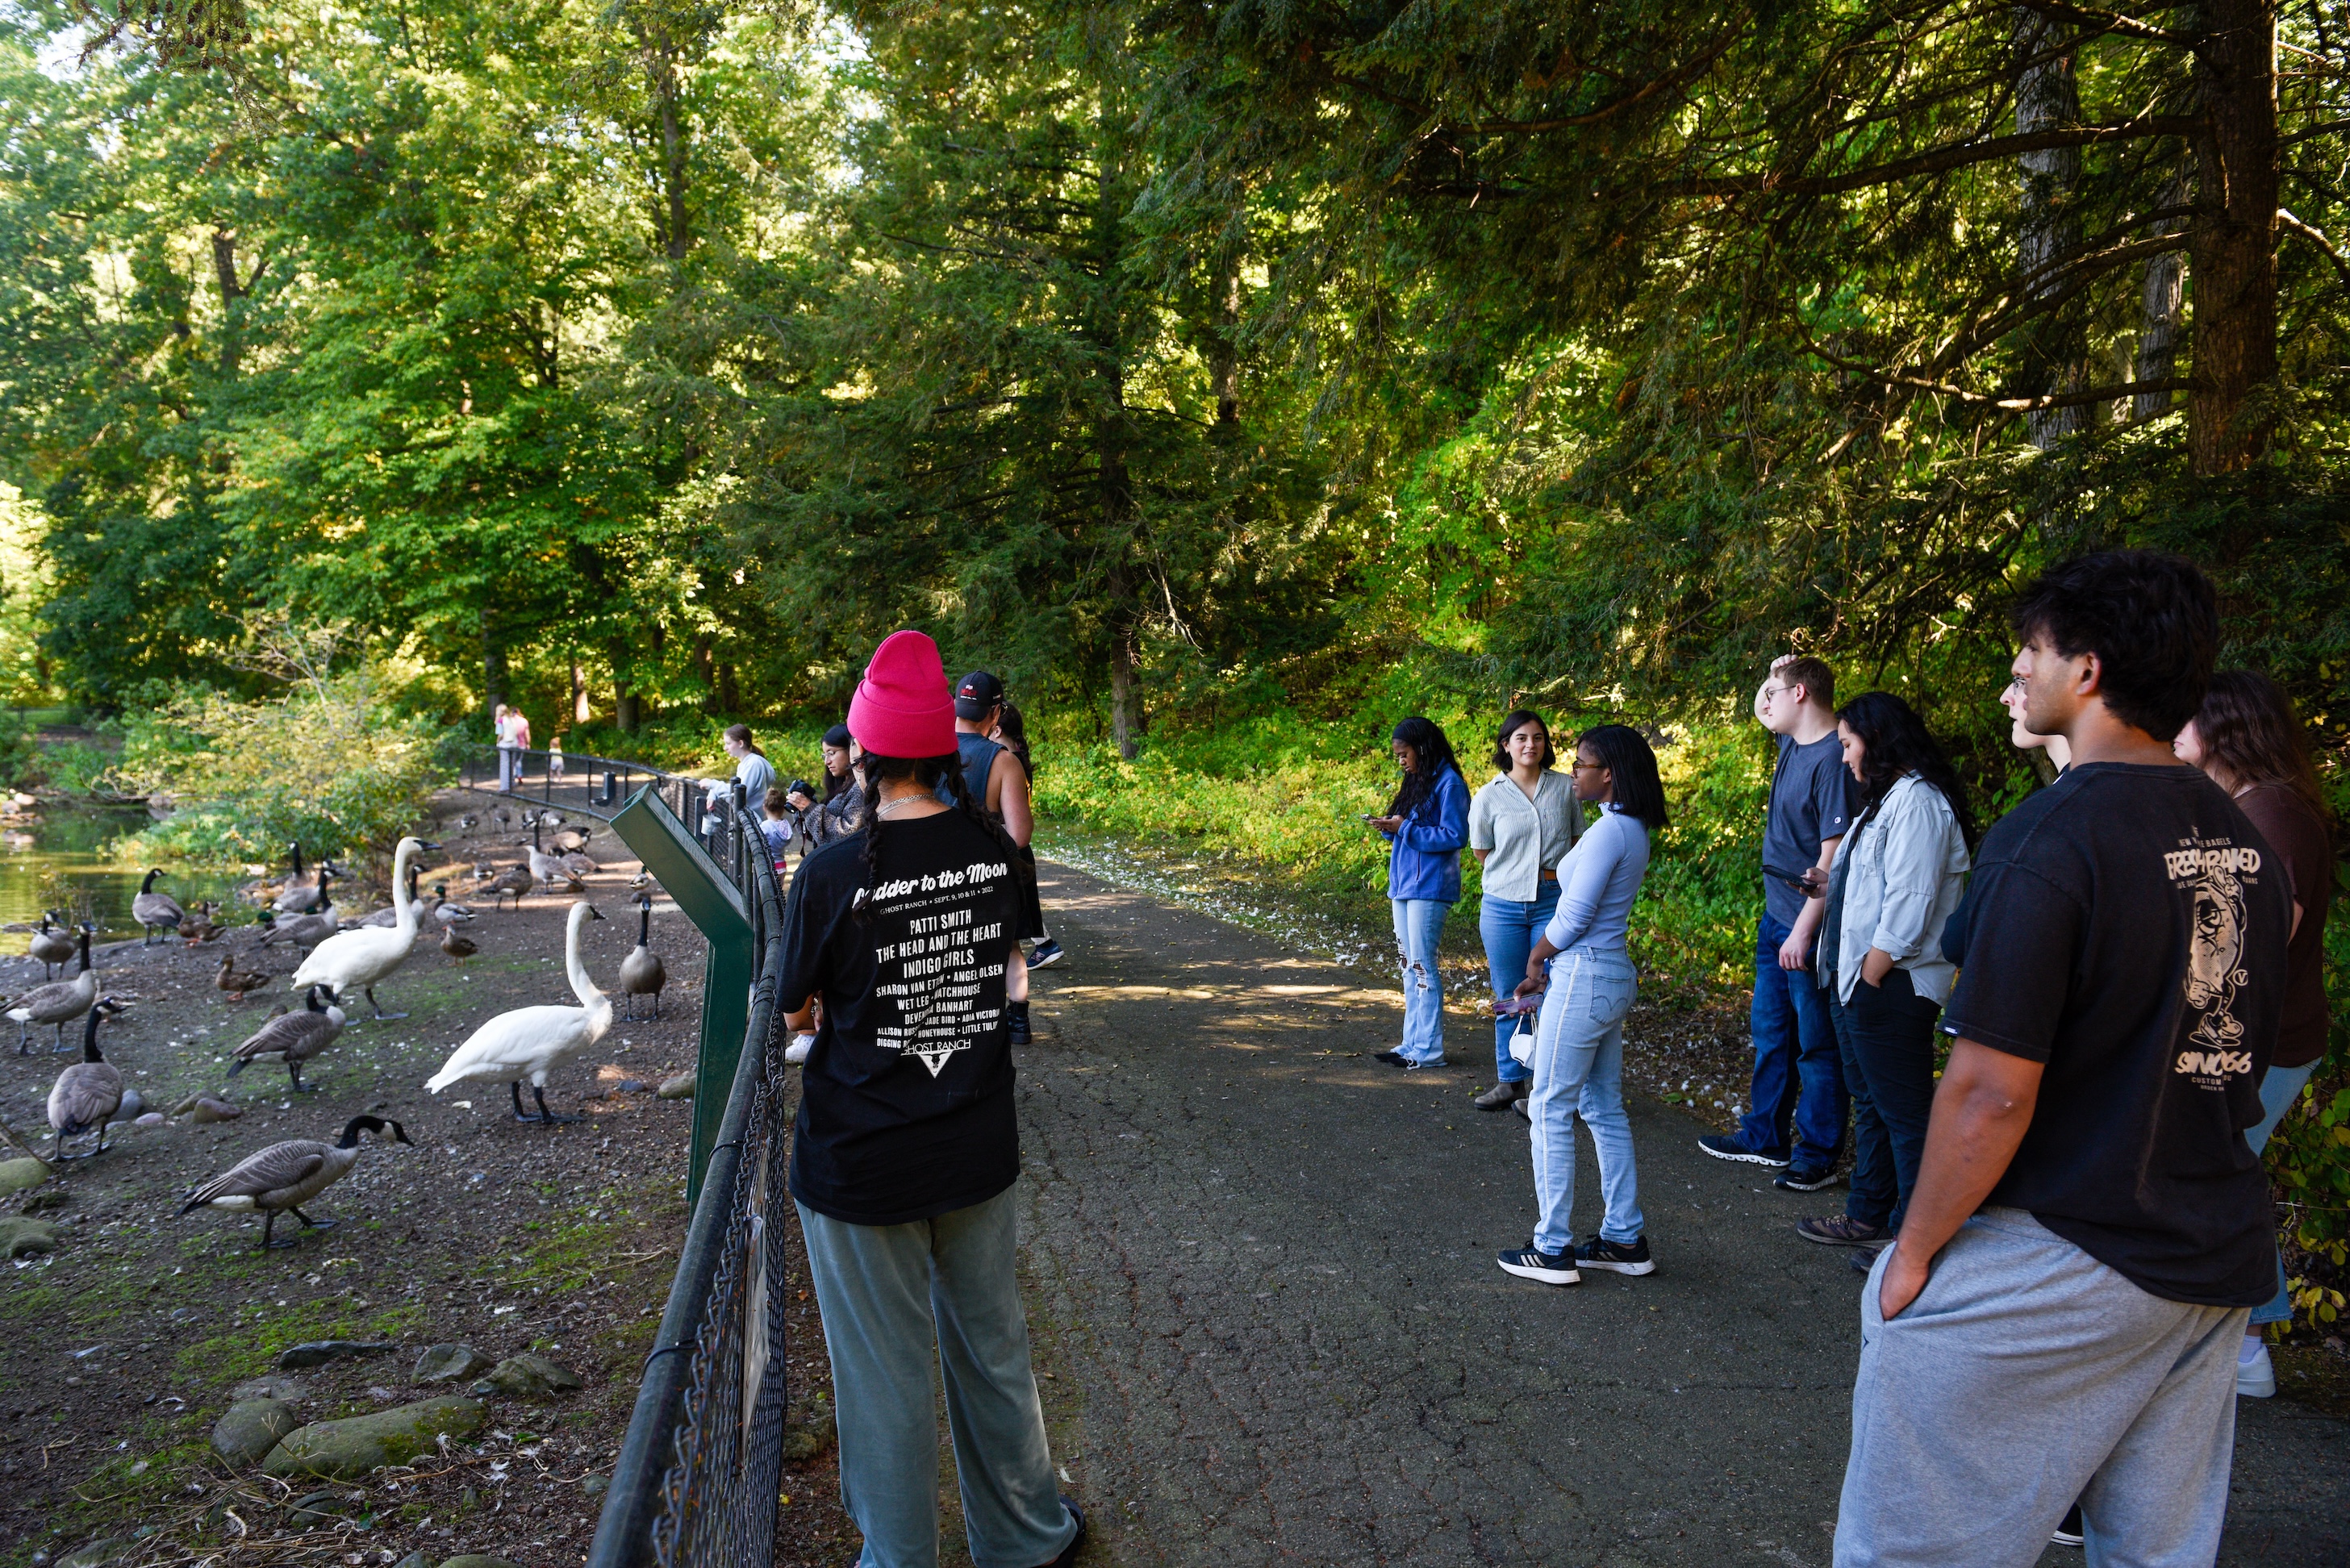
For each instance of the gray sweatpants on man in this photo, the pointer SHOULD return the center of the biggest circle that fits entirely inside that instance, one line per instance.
(2024, 1375)
(888, 1293)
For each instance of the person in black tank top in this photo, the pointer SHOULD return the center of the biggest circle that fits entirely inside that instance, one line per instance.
(993, 778)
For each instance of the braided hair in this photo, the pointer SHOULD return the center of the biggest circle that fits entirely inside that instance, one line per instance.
(930, 773)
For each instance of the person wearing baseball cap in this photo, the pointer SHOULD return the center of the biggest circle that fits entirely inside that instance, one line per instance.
(993, 775)
(907, 1144)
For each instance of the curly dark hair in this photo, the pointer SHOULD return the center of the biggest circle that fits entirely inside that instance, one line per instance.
(1432, 753)
(1518, 718)
(2151, 619)
(1894, 744)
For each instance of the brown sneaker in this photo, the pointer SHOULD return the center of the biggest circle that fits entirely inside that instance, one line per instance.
(1843, 1230)
(1501, 1097)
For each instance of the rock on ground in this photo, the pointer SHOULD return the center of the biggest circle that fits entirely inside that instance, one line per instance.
(318, 1352)
(351, 1448)
(20, 1236)
(251, 1428)
(477, 1560)
(447, 1363)
(678, 1088)
(529, 1377)
(21, 1175)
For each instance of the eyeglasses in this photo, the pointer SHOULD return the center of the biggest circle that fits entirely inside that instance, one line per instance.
(1770, 692)
(1579, 766)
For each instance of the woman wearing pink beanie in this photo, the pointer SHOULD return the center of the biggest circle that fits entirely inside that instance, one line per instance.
(907, 1145)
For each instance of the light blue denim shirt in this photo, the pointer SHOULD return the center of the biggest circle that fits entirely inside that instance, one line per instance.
(1597, 882)
(1908, 869)
(1527, 837)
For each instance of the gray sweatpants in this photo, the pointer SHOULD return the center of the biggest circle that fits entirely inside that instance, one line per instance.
(888, 1293)
(2025, 1375)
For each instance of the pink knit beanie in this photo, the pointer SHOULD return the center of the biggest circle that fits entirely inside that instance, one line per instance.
(903, 707)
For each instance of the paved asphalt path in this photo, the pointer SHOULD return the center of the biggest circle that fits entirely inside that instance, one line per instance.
(1264, 1288)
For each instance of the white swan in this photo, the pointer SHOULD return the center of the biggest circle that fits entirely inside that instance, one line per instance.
(532, 1041)
(355, 961)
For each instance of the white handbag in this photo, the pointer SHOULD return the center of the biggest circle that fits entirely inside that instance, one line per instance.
(1521, 1042)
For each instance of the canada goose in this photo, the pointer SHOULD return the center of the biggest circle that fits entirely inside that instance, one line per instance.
(152, 909)
(88, 1092)
(307, 931)
(59, 1002)
(545, 868)
(641, 973)
(298, 895)
(568, 840)
(532, 1041)
(293, 1038)
(389, 914)
(358, 960)
(445, 913)
(513, 882)
(642, 882)
(53, 945)
(575, 863)
(457, 947)
(279, 1178)
(235, 982)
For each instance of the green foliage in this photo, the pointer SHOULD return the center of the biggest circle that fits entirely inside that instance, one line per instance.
(20, 750)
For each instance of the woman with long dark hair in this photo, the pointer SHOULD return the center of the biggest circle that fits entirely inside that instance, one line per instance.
(907, 1147)
(1898, 879)
(841, 812)
(1520, 826)
(2248, 740)
(1586, 979)
(1428, 823)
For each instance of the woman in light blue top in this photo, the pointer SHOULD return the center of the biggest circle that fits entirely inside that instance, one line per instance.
(1586, 982)
(1520, 826)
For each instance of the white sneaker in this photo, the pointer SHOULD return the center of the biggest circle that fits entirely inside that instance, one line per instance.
(797, 1051)
(2256, 1374)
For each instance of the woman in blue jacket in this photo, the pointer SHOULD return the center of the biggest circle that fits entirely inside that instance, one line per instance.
(1428, 823)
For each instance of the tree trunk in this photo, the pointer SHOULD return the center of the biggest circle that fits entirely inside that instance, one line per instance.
(233, 291)
(674, 175)
(494, 663)
(704, 667)
(2159, 304)
(1224, 348)
(2048, 97)
(1121, 696)
(2232, 245)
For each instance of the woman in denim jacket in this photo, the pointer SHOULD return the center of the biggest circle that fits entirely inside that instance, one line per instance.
(1897, 880)
(1428, 823)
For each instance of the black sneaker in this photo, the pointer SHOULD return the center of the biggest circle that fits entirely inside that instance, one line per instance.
(1722, 1145)
(1045, 952)
(1550, 1268)
(2069, 1533)
(1068, 1555)
(1793, 1180)
(1016, 1015)
(1616, 1257)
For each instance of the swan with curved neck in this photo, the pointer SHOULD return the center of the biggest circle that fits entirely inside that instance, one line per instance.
(356, 960)
(533, 1042)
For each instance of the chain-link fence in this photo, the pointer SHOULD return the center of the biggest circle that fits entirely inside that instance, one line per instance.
(698, 1475)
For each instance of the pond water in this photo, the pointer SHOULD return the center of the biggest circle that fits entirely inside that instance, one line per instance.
(64, 860)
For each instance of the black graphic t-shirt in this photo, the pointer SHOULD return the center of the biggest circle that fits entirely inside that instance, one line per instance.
(905, 1103)
(2129, 932)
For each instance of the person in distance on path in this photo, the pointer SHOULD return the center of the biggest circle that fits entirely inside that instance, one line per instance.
(993, 778)
(1427, 823)
(1586, 980)
(1795, 1114)
(2060, 1313)
(907, 1147)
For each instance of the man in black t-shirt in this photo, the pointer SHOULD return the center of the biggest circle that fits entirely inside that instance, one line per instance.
(2060, 1313)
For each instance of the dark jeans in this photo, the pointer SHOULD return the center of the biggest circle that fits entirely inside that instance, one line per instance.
(1886, 1035)
(1798, 1080)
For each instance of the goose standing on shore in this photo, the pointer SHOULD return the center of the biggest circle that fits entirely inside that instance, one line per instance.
(305, 930)
(389, 916)
(57, 1004)
(53, 945)
(279, 1180)
(532, 1041)
(641, 973)
(155, 911)
(293, 1038)
(513, 882)
(88, 1092)
(545, 867)
(298, 895)
(356, 960)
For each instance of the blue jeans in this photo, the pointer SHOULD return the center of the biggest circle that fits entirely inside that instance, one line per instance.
(1509, 929)
(1418, 923)
(888, 1292)
(1886, 1037)
(1797, 1077)
(2279, 1089)
(1578, 1069)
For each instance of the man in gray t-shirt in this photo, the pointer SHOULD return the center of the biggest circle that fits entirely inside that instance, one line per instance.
(1795, 1122)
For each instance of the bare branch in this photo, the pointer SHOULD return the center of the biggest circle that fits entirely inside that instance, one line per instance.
(1989, 150)
(2318, 239)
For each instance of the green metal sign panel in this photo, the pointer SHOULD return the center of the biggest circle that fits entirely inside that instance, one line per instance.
(715, 906)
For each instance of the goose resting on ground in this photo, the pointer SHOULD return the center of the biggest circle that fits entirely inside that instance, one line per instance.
(305, 930)
(52, 945)
(356, 960)
(279, 1178)
(88, 1092)
(641, 973)
(152, 909)
(293, 1038)
(532, 1041)
(58, 1002)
